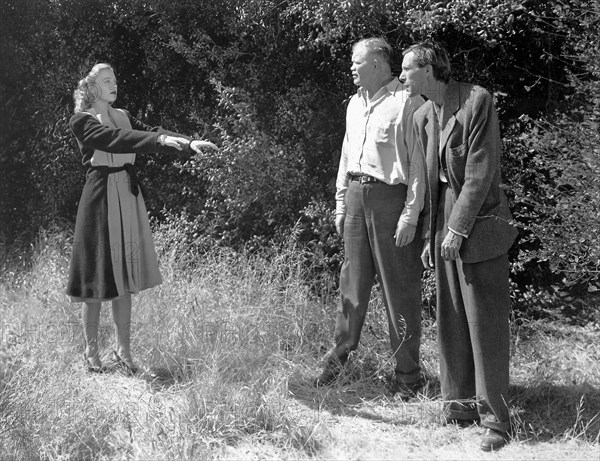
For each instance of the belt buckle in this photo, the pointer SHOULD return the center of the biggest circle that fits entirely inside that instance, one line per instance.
(366, 179)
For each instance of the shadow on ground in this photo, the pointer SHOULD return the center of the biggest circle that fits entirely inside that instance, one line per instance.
(548, 411)
(539, 414)
(369, 397)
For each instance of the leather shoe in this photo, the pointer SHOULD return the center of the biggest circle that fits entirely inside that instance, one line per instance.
(93, 364)
(493, 440)
(331, 373)
(125, 364)
(405, 391)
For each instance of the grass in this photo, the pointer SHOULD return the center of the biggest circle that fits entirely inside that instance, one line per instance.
(229, 344)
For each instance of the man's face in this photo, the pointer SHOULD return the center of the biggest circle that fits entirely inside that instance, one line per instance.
(413, 77)
(363, 68)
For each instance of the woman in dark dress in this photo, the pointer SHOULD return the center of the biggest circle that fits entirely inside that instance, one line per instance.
(113, 253)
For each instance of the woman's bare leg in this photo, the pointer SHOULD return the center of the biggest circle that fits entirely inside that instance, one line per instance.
(121, 309)
(90, 314)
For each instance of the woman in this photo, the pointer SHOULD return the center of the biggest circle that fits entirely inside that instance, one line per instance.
(113, 252)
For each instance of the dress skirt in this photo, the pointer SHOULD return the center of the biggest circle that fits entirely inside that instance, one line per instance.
(113, 252)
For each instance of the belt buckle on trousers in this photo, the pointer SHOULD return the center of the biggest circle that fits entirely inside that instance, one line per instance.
(364, 178)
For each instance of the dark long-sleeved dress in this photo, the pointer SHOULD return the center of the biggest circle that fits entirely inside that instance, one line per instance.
(113, 252)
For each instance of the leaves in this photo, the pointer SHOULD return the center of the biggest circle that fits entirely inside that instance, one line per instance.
(267, 80)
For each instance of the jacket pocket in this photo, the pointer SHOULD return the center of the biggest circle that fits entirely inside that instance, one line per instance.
(490, 237)
(458, 151)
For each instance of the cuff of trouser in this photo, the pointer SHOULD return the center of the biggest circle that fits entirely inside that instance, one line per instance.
(461, 411)
(413, 377)
(338, 354)
(493, 423)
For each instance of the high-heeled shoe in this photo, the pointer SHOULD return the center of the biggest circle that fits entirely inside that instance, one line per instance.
(126, 363)
(93, 364)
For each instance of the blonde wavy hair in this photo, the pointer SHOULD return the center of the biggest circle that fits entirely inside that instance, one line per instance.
(85, 93)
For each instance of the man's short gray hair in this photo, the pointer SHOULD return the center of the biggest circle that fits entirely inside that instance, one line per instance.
(379, 47)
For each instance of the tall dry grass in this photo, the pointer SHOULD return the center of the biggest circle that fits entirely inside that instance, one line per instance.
(217, 341)
(228, 345)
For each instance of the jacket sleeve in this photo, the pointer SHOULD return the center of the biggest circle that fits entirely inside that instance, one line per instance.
(482, 161)
(415, 196)
(420, 151)
(137, 124)
(94, 135)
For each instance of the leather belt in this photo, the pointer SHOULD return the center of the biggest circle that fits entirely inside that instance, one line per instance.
(363, 178)
(131, 171)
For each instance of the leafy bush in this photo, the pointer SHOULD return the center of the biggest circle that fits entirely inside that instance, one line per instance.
(552, 168)
(267, 82)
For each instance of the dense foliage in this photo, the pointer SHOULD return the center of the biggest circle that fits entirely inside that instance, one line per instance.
(267, 81)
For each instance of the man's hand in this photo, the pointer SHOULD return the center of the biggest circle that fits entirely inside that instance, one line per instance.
(426, 258)
(197, 145)
(451, 246)
(405, 233)
(339, 224)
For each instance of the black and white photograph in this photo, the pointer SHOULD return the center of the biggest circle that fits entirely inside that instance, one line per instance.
(318, 230)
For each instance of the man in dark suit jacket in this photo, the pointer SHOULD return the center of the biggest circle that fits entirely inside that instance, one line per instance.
(468, 232)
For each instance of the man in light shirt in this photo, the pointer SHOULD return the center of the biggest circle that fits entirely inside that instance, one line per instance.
(380, 194)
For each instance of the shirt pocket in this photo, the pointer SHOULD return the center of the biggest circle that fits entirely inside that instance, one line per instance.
(382, 132)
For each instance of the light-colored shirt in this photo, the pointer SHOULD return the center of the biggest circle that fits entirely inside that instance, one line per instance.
(438, 116)
(380, 142)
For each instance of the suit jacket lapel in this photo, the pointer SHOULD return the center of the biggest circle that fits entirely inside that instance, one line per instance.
(432, 164)
(450, 107)
(432, 135)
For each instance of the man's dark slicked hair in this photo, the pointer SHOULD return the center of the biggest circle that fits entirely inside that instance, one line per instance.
(432, 53)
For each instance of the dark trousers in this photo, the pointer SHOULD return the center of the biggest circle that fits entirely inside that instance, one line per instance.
(370, 251)
(473, 332)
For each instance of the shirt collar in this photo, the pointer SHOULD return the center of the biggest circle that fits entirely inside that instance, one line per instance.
(391, 88)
